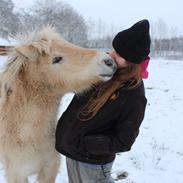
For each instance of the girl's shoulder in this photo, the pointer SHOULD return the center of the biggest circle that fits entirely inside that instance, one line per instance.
(132, 88)
(133, 96)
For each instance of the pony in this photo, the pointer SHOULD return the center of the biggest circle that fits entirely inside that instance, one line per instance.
(39, 71)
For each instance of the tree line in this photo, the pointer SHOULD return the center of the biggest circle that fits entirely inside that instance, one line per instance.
(74, 28)
(59, 14)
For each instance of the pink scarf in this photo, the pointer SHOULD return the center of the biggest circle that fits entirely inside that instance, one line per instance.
(143, 65)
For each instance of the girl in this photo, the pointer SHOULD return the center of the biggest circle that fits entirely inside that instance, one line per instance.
(106, 120)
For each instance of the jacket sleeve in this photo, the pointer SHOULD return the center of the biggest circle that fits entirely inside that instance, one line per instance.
(124, 133)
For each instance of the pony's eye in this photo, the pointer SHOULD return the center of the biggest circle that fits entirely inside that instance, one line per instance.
(56, 60)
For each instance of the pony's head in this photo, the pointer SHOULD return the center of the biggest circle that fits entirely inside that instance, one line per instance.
(44, 58)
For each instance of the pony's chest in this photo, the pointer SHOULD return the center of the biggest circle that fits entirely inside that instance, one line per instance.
(28, 124)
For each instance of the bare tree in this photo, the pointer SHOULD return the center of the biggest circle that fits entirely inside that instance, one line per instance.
(162, 30)
(68, 22)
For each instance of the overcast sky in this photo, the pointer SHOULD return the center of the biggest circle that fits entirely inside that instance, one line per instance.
(123, 13)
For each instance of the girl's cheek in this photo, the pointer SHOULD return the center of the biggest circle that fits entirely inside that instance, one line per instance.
(121, 62)
(111, 54)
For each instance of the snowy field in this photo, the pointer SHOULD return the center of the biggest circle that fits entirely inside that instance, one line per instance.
(157, 155)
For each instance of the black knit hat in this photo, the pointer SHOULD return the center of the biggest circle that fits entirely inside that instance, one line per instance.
(133, 44)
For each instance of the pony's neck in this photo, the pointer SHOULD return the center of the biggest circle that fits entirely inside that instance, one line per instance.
(36, 93)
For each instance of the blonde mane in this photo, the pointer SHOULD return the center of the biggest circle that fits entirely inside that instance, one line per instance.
(39, 40)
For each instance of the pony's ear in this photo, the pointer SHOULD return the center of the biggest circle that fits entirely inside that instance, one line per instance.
(28, 52)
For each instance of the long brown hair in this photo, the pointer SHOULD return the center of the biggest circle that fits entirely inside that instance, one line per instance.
(105, 91)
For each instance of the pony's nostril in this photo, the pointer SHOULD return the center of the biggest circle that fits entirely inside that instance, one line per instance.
(109, 62)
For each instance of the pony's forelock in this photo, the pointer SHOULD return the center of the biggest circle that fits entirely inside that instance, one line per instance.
(41, 41)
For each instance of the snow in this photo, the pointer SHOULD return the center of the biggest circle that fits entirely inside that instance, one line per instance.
(5, 42)
(157, 155)
(2, 61)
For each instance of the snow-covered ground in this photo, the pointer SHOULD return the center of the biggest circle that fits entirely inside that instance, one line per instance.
(157, 155)
(7, 42)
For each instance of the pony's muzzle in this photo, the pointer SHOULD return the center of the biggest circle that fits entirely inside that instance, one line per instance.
(110, 69)
(110, 63)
